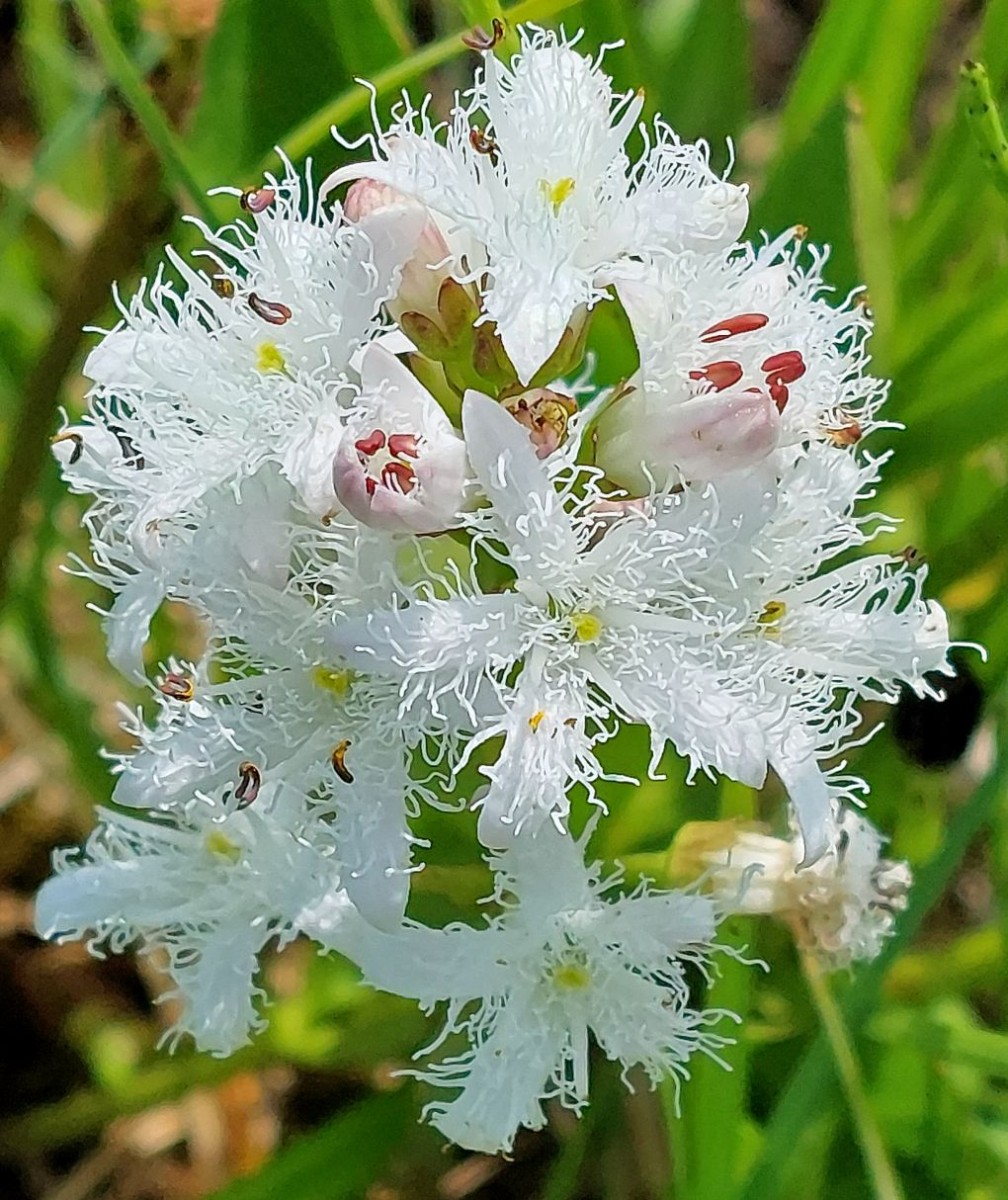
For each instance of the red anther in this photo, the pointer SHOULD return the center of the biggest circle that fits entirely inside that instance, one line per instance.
(178, 686)
(404, 444)
(270, 310)
(785, 367)
(250, 782)
(743, 323)
(779, 394)
(483, 144)
(257, 200)
(721, 374)
(371, 444)
(371, 485)
(478, 39)
(399, 477)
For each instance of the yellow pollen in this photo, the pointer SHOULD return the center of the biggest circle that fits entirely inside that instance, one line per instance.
(557, 193)
(269, 357)
(536, 720)
(587, 626)
(338, 683)
(572, 976)
(220, 844)
(771, 616)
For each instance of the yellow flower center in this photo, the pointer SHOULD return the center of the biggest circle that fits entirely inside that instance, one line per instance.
(269, 358)
(571, 975)
(217, 842)
(557, 193)
(586, 625)
(338, 683)
(536, 720)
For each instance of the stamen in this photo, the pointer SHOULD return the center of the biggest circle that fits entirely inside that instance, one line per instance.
(371, 444)
(270, 310)
(911, 557)
(479, 40)
(338, 682)
(744, 323)
(251, 781)
(785, 367)
(587, 626)
(536, 720)
(844, 435)
(557, 193)
(722, 374)
(257, 200)
(78, 441)
(407, 444)
(779, 395)
(222, 286)
(339, 761)
(399, 477)
(482, 143)
(800, 232)
(270, 359)
(177, 685)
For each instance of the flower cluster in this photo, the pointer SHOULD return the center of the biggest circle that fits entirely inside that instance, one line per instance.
(360, 439)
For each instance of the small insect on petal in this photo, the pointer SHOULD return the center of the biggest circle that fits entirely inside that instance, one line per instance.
(339, 761)
(743, 323)
(249, 784)
(478, 39)
(270, 310)
(78, 445)
(257, 200)
(177, 685)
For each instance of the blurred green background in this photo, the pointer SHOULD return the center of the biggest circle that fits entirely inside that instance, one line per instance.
(845, 116)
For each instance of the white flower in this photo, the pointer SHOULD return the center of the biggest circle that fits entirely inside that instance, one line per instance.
(399, 466)
(738, 353)
(212, 886)
(842, 908)
(543, 198)
(563, 960)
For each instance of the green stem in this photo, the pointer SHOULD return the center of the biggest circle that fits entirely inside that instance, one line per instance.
(397, 29)
(884, 1181)
(353, 102)
(985, 122)
(123, 72)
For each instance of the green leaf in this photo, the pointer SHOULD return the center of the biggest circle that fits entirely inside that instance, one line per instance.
(340, 1160)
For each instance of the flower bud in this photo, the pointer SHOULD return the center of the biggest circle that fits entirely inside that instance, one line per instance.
(545, 414)
(644, 438)
(382, 212)
(400, 465)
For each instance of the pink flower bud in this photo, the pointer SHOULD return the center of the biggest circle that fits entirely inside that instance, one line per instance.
(400, 465)
(383, 212)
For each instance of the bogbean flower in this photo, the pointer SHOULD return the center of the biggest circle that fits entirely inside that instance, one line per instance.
(565, 961)
(533, 187)
(211, 886)
(365, 449)
(842, 908)
(400, 466)
(739, 354)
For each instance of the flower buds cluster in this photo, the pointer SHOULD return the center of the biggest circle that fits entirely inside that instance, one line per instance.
(366, 449)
